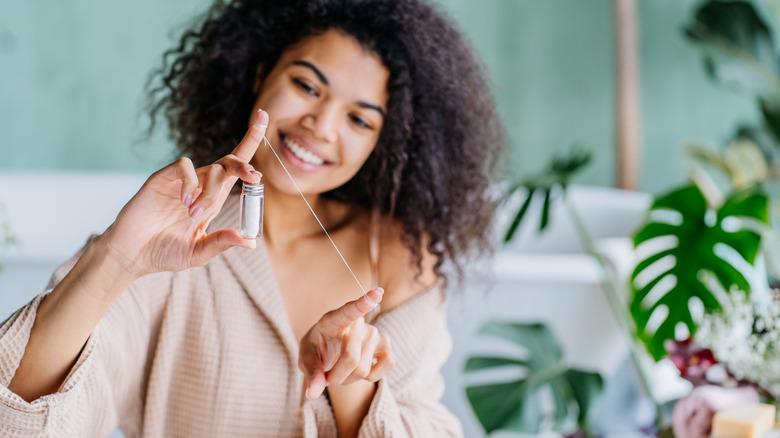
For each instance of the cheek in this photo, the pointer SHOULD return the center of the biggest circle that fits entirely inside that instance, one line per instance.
(359, 153)
(278, 102)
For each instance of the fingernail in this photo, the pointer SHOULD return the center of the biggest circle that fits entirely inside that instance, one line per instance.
(262, 117)
(251, 243)
(369, 301)
(188, 201)
(380, 290)
(196, 213)
(255, 172)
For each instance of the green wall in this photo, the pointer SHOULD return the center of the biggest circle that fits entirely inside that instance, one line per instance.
(72, 74)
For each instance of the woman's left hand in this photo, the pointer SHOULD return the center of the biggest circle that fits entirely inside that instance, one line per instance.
(341, 348)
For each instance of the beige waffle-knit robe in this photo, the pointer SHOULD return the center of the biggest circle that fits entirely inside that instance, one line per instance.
(209, 352)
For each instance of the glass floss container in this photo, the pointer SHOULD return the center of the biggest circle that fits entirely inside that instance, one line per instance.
(252, 206)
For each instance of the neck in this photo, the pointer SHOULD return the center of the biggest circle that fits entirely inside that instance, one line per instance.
(288, 219)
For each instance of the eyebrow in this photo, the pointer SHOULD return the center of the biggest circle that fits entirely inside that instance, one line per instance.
(324, 80)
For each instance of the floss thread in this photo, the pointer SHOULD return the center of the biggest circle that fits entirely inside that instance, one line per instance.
(362, 289)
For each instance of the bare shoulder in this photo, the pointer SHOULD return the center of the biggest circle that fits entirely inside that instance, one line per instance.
(399, 274)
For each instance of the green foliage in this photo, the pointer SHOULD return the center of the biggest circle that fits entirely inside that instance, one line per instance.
(517, 405)
(729, 185)
(739, 48)
(558, 174)
(740, 53)
(696, 230)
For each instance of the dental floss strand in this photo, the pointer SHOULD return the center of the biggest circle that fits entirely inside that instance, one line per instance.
(365, 293)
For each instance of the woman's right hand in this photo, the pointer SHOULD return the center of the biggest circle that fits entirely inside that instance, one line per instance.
(163, 226)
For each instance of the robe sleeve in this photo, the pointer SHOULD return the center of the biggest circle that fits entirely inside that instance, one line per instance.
(103, 381)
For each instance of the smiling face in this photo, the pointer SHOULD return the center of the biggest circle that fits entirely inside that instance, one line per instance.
(326, 97)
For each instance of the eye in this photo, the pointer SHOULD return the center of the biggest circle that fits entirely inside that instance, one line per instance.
(305, 87)
(360, 122)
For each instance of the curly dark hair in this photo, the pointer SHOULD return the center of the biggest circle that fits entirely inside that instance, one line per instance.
(441, 139)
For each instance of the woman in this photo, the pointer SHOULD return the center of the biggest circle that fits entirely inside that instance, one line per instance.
(381, 115)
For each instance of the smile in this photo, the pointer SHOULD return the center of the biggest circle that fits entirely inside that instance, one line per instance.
(302, 154)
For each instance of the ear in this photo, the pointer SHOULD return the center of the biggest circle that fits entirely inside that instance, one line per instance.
(258, 82)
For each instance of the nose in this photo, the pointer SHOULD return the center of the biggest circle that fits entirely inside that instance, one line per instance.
(322, 121)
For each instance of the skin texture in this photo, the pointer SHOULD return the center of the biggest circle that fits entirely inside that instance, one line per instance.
(324, 107)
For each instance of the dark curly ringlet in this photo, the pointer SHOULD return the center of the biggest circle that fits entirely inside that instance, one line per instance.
(441, 138)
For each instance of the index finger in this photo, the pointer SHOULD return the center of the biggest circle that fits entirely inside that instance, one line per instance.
(354, 310)
(254, 136)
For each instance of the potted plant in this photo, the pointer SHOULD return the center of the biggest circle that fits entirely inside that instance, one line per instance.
(699, 244)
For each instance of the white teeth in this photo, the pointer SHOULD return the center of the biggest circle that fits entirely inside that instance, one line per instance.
(303, 154)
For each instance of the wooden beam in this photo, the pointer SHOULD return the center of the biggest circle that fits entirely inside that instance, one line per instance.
(628, 102)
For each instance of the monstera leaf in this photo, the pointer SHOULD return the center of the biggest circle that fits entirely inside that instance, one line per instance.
(740, 51)
(518, 405)
(697, 233)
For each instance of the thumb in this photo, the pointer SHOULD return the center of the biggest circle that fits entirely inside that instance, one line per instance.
(211, 245)
(317, 385)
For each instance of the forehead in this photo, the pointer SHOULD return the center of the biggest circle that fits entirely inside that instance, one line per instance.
(346, 64)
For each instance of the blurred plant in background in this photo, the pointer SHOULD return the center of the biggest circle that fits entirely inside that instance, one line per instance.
(694, 251)
(701, 250)
(502, 403)
(557, 177)
(700, 292)
(517, 404)
(701, 239)
(738, 39)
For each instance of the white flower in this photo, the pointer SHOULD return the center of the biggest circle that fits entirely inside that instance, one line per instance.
(743, 337)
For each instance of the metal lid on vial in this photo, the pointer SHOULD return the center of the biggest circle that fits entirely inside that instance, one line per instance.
(254, 189)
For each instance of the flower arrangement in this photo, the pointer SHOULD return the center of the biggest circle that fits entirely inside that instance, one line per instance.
(723, 224)
(732, 358)
(735, 347)
(698, 247)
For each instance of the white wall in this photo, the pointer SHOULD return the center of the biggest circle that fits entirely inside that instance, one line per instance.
(52, 215)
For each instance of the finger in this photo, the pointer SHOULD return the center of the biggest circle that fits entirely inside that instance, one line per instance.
(189, 178)
(254, 136)
(316, 386)
(211, 245)
(236, 168)
(384, 359)
(366, 357)
(184, 171)
(345, 315)
(212, 179)
(348, 357)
